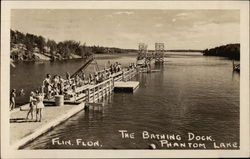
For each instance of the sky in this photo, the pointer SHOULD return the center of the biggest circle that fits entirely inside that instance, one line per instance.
(177, 29)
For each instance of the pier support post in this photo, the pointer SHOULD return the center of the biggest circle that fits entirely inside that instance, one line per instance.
(109, 85)
(112, 85)
(98, 93)
(93, 94)
(88, 95)
(103, 87)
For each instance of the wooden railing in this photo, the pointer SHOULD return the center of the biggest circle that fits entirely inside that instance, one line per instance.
(129, 74)
(92, 93)
(97, 92)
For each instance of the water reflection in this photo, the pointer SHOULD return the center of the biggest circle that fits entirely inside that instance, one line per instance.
(235, 75)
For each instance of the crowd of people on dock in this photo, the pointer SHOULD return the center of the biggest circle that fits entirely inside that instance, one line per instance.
(60, 86)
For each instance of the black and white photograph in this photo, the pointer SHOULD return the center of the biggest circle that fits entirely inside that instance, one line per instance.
(125, 78)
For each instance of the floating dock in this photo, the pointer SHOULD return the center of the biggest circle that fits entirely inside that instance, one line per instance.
(129, 86)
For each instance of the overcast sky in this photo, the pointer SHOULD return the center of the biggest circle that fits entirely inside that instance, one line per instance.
(178, 29)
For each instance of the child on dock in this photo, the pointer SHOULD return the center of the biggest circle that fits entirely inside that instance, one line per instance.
(32, 104)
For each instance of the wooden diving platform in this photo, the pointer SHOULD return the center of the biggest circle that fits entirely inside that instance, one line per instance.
(129, 86)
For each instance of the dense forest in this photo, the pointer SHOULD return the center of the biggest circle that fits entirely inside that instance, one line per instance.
(231, 51)
(29, 47)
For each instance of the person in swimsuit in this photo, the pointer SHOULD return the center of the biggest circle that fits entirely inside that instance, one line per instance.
(48, 86)
(13, 99)
(32, 104)
(61, 85)
(55, 83)
(39, 106)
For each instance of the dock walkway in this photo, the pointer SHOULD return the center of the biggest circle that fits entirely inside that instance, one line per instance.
(22, 131)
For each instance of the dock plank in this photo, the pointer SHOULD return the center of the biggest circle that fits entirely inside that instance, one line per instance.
(22, 130)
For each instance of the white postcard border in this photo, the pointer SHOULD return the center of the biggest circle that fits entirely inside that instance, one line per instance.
(6, 152)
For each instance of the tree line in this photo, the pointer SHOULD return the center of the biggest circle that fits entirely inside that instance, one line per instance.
(26, 46)
(231, 51)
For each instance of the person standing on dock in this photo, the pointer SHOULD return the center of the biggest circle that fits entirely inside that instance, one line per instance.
(96, 79)
(90, 78)
(68, 77)
(48, 86)
(55, 85)
(77, 81)
(119, 67)
(69, 81)
(32, 104)
(39, 106)
(101, 77)
(84, 78)
(13, 99)
(61, 85)
(111, 69)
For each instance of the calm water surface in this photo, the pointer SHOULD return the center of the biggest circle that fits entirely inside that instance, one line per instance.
(191, 93)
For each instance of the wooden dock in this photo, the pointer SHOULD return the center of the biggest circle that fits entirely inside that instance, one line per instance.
(23, 131)
(129, 86)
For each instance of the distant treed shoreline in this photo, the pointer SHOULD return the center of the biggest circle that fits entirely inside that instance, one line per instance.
(232, 51)
(29, 47)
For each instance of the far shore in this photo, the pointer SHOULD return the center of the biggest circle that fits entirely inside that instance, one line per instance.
(43, 58)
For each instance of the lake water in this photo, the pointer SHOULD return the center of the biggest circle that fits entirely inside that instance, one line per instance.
(191, 94)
